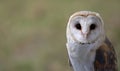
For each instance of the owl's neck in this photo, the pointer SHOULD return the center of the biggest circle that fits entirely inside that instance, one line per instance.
(82, 56)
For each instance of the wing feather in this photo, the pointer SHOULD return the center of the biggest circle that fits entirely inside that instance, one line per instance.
(105, 59)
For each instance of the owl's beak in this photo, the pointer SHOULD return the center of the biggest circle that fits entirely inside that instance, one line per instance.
(85, 34)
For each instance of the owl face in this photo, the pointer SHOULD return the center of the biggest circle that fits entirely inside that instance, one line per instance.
(85, 27)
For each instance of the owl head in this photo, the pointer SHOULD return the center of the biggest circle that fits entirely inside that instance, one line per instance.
(85, 27)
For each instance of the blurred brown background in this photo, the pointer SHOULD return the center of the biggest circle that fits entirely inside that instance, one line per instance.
(32, 32)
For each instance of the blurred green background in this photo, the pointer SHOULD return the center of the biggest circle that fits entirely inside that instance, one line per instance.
(32, 32)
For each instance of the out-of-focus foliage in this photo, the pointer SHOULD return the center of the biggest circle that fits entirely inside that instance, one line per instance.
(32, 32)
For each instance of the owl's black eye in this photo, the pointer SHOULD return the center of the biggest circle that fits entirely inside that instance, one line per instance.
(78, 26)
(92, 26)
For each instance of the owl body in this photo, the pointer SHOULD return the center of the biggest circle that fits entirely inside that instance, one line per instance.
(85, 37)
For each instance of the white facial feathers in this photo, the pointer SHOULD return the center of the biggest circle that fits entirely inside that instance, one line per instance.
(85, 27)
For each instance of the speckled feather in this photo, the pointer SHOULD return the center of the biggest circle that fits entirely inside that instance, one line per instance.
(105, 59)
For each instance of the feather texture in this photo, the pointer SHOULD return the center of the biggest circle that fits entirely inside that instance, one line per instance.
(87, 44)
(105, 59)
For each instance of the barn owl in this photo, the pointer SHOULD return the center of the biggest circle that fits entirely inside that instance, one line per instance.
(88, 47)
